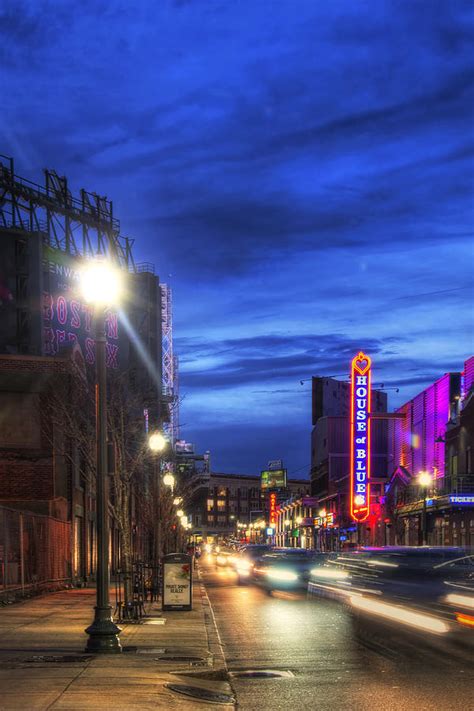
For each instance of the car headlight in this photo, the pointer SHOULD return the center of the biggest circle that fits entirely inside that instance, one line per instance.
(460, 600)
(284, 575)
(243, 566)
(329, 574)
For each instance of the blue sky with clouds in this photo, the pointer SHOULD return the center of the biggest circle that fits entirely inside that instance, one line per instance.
(301, 173)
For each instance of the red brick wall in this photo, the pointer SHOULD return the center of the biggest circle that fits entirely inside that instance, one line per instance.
(25, 480)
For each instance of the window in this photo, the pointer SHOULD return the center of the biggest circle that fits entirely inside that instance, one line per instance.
(454, 465)
(221, 520)
(222, 491)
(210, 504)
(221, 504)
(210, 518)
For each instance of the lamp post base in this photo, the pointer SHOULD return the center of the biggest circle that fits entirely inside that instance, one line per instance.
(103, 633)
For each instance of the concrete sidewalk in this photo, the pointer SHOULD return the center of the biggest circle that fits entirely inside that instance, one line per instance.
(43, 664)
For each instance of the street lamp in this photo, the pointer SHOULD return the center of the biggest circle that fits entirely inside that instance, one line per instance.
(157, 443)
(424, 480)
(180, 513)
(101, 286)
(169, 480)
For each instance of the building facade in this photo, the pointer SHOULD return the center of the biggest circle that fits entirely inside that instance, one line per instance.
(433, 444)
(232, 502)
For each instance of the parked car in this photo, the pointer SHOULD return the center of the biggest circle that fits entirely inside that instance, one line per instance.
(286, 568)
(404, 595)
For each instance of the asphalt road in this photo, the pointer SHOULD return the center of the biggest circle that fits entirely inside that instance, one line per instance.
(332, 670)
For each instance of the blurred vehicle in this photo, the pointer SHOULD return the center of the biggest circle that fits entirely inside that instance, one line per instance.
(404, 595)
(286, 568)
(244, 560)
(223, 558)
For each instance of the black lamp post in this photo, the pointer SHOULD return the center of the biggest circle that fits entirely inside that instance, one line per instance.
(424, 480)
(100, 284)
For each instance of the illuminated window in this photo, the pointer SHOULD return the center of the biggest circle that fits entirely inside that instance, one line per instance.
(210, 504)
(221, 505)
(222, 491)
(210, 518)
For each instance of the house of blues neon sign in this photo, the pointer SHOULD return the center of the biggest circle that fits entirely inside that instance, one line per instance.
(360, 437)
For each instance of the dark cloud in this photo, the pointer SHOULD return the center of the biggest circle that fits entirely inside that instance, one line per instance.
(298, 172)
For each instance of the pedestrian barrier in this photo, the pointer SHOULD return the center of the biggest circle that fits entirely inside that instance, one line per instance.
(143, 584)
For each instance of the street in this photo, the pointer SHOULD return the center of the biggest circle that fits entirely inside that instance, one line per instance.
(314, 641)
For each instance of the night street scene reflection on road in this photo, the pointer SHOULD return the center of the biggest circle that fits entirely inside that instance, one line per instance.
(237, 355)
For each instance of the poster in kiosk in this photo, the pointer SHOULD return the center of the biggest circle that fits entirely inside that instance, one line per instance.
(177, 582)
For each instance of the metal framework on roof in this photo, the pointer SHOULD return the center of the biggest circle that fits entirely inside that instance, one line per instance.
(80, 226)
(169, 365)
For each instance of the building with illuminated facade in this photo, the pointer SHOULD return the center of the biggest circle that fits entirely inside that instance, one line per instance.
(435, 438)
(46, 233)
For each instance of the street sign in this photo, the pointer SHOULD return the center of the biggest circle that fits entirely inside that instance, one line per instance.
(177, 582)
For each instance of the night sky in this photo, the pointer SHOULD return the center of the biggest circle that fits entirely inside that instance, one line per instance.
(299, 171)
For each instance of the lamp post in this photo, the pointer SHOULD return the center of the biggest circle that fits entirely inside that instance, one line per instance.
(157, 444)
(424, 480)
(101, 286)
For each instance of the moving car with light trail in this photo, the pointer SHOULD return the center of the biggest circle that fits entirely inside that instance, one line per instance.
(404, 595)
(286, 568)
(244, 560)
(224, 558)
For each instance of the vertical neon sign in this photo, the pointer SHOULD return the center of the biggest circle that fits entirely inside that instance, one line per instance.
(360, 436)
(273, 503)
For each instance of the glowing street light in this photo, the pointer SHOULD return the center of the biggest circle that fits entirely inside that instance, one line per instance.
(101, 286)
(180, 513)
(169, 480)
(178, 500)
(425, 479)
(157, 442)
(101, 283)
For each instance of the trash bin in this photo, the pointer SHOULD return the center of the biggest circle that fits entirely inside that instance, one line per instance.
(177, 582)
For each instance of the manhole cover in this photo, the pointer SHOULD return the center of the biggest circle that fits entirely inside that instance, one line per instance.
(215, 697)
(66, 659)
(261, 674)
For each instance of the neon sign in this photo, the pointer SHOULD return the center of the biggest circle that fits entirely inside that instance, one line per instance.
(456, 499)
(360, 437)
(273, 516)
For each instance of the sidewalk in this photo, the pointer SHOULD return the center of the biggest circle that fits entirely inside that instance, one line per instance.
(43, 664)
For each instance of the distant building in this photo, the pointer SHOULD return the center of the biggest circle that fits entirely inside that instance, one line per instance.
(232, 499)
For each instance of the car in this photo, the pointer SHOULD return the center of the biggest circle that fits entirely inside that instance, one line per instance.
(286, 568)
(244, 560)
(410, 596)
(224, 558)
